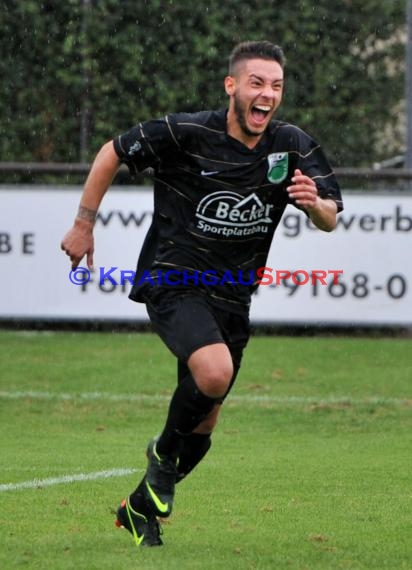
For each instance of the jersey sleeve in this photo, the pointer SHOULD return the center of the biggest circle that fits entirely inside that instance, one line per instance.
(312, 161)
(145, 144)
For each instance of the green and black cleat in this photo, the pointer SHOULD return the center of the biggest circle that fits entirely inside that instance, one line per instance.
(160, 481)
(146, 531)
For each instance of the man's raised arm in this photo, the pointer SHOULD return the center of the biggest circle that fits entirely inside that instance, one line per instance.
(321, 211)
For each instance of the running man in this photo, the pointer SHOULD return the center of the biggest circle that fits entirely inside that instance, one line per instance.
(222, 181)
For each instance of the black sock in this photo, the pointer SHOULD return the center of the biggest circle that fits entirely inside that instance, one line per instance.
(194, 448)
(188, 407)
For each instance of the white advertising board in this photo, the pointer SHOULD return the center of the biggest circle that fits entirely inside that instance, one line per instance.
(369, 254)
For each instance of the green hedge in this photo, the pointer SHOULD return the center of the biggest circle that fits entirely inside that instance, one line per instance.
(114, 63)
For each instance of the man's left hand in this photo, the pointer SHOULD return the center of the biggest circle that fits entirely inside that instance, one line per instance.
(303, 190)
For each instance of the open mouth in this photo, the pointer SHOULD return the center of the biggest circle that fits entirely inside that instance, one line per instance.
(260, 113)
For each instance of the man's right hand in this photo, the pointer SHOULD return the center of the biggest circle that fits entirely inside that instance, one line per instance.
(79, 242)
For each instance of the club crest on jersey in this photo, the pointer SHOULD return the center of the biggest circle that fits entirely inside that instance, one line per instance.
(278, 167)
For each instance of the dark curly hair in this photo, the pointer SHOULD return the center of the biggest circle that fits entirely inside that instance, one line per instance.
(255, 50)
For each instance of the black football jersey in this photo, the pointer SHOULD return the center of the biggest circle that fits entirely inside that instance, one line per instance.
(217, 203)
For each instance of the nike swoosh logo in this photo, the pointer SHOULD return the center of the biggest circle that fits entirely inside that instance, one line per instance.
(161, 507)
(209, 172)
(138, 539)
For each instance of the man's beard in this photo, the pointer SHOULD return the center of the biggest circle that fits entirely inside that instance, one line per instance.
(241, 117)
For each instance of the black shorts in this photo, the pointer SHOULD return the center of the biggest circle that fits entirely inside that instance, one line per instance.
(186, 321)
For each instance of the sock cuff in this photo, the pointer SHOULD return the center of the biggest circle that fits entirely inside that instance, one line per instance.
(196, 395)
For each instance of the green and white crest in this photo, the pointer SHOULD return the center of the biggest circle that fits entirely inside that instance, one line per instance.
(278, 167)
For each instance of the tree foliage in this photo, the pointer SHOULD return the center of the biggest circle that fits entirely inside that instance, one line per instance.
(106, 64)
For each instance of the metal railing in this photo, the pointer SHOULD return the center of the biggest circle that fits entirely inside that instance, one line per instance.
(396, 178)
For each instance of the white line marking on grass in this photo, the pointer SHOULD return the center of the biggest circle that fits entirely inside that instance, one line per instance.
(233, 399)
(40, 483)
(89, 396)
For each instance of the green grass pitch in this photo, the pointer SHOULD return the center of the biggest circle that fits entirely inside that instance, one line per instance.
(310, 468)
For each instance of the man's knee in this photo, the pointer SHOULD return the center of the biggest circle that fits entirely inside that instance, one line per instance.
(212, 369)
(214, 381)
